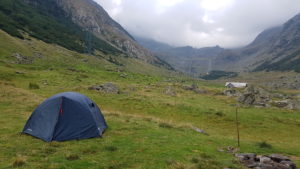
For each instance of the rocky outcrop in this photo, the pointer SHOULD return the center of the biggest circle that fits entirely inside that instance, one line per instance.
(254, 96)
(108, 88)
(194, 88)
(259, 97)
(22, 59)
(273, 161)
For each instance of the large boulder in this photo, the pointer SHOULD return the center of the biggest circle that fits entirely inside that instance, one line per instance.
(254, 96)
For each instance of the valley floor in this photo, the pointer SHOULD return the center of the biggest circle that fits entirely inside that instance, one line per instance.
(148, 128)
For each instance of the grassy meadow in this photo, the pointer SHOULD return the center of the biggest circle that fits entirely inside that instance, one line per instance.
(147, 128)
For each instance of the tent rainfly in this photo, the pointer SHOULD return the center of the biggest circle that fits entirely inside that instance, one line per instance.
(236, 85)
(66, 116)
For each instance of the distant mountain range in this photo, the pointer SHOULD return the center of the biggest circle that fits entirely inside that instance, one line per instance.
(85, 27)
(187, 59)
(276, 49)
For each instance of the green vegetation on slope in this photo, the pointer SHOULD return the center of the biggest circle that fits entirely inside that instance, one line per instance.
(217, 74)
(147, 128)
(44, 20)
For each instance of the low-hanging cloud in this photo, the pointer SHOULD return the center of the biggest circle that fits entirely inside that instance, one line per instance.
(200, 23)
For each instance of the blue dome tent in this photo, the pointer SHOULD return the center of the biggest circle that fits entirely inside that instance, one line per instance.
(66, 116)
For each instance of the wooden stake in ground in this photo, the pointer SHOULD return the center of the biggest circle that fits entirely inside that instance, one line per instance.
(237, 126)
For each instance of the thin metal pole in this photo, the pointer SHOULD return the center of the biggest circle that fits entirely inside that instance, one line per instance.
(237, 126)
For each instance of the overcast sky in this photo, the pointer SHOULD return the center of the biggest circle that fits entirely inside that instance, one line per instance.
(200, 23)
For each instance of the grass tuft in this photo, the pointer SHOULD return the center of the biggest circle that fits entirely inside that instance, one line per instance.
(195, 160)
(165, 125)
(19, 161)
(33, 86)
(177, 165)
(72, 157)
(111, 148)
(220, 114)
(265, 145)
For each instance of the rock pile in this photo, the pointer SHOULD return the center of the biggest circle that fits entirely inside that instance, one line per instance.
(260, 97)
(273, 161)
(21, 59)
(194, 88)
(109, 88)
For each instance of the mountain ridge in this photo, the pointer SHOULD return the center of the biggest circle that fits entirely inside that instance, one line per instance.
(266, 52)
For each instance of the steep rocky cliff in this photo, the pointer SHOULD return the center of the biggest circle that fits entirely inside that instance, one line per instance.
(92, 17)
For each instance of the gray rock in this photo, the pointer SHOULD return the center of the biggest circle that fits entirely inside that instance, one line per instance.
(199, 130)
(19, 72)
(170, 91)
(123, 75)
(231, 92)
(281, 103)
(278, 158)
(274, 161)
(246, 156)
(109, 88)
(266, 166)
(293, 104)
(21, 59)
(289, 164)
(194, 88)
(265, 159)
(200, 91)
(254, 96)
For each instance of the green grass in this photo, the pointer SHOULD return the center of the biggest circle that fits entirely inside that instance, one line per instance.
(44, 20)
(147, 129)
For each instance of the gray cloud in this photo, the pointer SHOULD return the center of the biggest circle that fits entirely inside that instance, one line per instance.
(200, 23)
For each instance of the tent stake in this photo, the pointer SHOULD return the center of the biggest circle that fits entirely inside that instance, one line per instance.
(237, 126)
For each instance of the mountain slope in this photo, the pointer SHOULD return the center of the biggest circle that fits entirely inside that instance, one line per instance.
(186, 59)
(91, 16)
(46, 21)
(274, 49)
(82, 26)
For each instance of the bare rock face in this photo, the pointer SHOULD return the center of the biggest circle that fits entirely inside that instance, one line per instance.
(92, 17)
(273, 161)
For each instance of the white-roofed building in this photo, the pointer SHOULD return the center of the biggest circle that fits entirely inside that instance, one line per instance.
(236, 85)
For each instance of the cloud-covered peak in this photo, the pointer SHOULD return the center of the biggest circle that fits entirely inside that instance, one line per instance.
(200, 23)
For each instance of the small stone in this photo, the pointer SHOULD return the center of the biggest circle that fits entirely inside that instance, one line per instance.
(123, 75)
(246, 156)
(265, 159)
(19, 72)
(266, 166)
(289, 164)
(278, 158)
